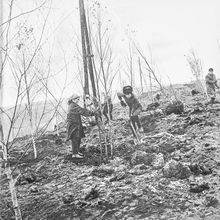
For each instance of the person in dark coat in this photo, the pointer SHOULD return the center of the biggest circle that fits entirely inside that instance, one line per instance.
(107, 108)
(211, 84)
(75, 130)
(157, 97)
(135, 107)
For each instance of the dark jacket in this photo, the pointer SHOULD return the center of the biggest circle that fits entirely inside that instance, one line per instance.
(210, 79)
(74, 122)
(132, 102)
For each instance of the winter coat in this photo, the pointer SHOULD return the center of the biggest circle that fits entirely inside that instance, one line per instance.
(74, 121)
(135, 107)
(211, 83)
(210, 79)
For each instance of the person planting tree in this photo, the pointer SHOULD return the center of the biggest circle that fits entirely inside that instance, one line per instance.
(135, 108)
(75, 130)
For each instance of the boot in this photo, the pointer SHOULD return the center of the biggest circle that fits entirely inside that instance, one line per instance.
(141, 130)
(77, 156)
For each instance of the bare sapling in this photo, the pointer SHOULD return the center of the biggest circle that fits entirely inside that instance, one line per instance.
(4, 157)
(86, 37)
(9, 61)
(129, 64)
(151, 71)
(195, 65)
(29, 108)
(141, 74)
(105, 60)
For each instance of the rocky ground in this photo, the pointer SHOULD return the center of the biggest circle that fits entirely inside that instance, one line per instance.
(173, 174)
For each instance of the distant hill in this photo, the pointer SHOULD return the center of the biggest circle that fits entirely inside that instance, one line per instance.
(43, 116)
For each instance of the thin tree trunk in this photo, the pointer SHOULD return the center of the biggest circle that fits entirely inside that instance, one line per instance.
(93, 61)
(141, 74)
(101, 56)
(29, 109)
(88, 50)
(3, 160)
(131, 66)
(57, 129)
(85, 65)
(151, 87)
(120, 80)
(13, 193)
(2, 146)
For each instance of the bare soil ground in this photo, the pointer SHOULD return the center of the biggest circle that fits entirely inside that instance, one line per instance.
(174, 174)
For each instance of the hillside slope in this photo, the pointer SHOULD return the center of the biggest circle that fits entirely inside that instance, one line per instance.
(173, 174)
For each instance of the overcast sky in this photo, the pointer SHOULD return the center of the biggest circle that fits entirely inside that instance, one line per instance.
(170, 28)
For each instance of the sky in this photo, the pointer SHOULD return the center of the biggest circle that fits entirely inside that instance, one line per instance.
(165, 30)
(171, 28)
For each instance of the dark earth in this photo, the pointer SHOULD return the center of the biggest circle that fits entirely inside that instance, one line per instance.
(173, 174)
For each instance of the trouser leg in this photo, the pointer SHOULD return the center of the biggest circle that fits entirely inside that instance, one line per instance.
(111, 108)
(111, 116)
(79, 142)
(136, 122)
(212, 100)
(75, 144)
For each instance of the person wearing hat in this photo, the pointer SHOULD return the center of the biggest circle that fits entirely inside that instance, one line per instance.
(135, 107)
(75, 130)
(211, 84)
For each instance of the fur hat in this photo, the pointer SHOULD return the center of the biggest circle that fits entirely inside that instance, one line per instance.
(127, 89)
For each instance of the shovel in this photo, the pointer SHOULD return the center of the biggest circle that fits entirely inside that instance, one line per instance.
(134, 132)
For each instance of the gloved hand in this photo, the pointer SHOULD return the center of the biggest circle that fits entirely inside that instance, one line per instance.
(131, 117)
(137, 112)
(123, 104)
(97, 112)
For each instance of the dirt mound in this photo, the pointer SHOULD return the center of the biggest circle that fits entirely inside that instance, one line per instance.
(176, 107)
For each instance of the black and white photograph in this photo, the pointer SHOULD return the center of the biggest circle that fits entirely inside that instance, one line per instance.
(109, 110)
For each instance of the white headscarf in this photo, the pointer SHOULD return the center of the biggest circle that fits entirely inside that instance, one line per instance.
(72, 97)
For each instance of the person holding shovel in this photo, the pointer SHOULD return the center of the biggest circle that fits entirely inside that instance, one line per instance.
(135, 108)
(75, 130)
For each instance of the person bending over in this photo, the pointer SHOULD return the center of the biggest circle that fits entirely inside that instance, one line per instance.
(135, 108)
